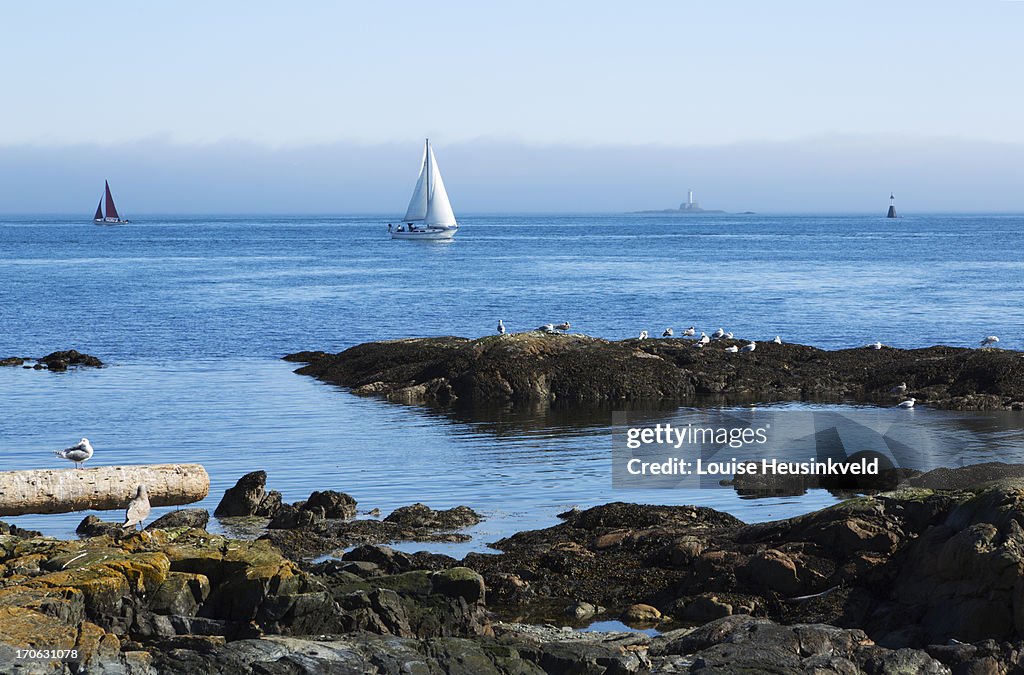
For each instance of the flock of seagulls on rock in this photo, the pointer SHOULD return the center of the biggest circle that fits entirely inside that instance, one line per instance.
(138, 508)
(722, 334)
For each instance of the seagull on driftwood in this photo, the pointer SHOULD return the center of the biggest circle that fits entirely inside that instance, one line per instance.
(989, 341)
(77, 453)
(138, 509)
(501, 327)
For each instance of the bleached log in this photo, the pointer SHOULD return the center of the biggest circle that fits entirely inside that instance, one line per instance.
(101, 487)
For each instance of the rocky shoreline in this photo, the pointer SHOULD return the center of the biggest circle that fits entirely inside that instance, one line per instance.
(918, 579)
(525, 368)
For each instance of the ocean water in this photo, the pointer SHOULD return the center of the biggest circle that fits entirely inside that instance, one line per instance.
(193, 315)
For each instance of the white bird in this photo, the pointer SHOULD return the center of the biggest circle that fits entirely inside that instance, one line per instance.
(77, 453)
(718, 334)
(668, 332)
(704, 339)
(875, 345)
(565, 325)
(909, 403)
(749, 347)
(138, 509)
(689, 331)
(989, 341)
(547, 328)
(777, 340)
(732, 349)
(728, 336)
(501, 327)
(900, 389)
(643, 335)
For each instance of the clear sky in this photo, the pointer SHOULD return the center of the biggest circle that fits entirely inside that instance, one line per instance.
(135, 77)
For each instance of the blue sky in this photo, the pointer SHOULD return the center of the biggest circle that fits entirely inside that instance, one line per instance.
(129, 76)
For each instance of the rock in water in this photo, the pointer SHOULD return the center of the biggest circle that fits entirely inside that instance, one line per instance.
(182, 518)
(249, 498)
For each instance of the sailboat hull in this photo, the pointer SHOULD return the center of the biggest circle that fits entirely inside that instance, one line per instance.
(424, 235)
(110, 221)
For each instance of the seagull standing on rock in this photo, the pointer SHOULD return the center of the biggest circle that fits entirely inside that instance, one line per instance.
(704, 339)
(565, 325)
(668, 332)
(643, 335)
(77, 453)
(989, 341)
(138, 509)
(777, 340)
(689, 331)
(909, 403)
(718, 334)
(501, 327)
(899, 390)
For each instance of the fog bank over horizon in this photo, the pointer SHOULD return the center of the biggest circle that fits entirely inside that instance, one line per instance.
(829, 174)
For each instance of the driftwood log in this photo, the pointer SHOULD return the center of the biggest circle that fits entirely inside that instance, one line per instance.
(101, 488)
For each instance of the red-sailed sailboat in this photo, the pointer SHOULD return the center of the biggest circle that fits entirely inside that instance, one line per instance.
(107, 204)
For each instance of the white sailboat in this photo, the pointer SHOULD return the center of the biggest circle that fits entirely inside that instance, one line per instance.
(429, 216)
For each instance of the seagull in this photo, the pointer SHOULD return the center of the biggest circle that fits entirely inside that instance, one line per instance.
(728, 336)
(749, 347)
(138, 509)
(989, 341)
(777, 340)
(547, 328)
(874, 345)
(704, 339)
(909, 403)
(689, 331)
(668, 332)
(718, 334)
(901, 389)
(643, 335)
(501, 327)
(565, 325)
(732, 349)
(77, 453)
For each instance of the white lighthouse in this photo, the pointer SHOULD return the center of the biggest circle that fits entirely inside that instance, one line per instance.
(689, 204)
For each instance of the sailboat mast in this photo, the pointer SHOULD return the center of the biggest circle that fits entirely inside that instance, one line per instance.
(429, 168)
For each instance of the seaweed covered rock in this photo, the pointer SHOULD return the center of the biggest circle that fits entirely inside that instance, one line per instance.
(535, 366)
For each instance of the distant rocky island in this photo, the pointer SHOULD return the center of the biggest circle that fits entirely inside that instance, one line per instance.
(689, 207)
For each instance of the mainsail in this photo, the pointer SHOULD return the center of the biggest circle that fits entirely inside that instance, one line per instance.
(429, 201)
(111, 209)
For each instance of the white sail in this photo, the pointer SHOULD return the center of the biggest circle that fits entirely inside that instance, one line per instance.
(439, 209)
(418, 204)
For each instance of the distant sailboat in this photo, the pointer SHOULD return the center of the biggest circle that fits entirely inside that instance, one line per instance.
(892, 206)
(429, 216)
(107, 204)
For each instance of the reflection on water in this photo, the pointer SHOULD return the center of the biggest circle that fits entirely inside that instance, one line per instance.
(517, 467)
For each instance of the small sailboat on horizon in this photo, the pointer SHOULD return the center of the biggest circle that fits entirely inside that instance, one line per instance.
(106, 212)
(429, 216)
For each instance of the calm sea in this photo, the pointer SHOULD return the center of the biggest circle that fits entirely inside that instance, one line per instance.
(192, 314)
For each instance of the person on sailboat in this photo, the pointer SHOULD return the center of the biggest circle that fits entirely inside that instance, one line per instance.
(389, 227)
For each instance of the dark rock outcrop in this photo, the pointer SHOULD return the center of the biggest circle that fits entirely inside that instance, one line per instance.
(249, 497)
(197, 518)
(59, 361)
(529, 367)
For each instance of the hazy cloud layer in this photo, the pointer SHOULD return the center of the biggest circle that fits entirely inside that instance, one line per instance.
(832, 174)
